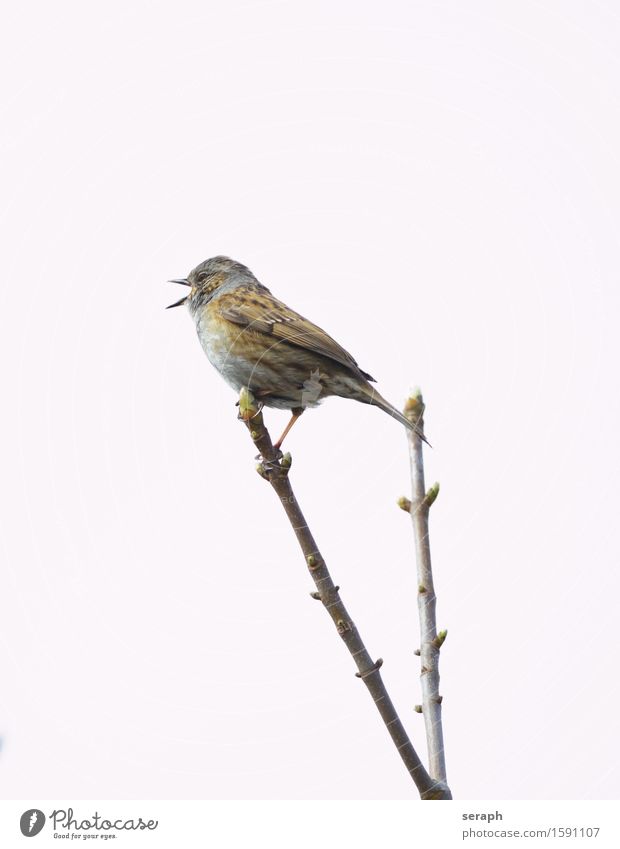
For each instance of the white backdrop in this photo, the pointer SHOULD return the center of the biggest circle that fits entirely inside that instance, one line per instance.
(437, 185)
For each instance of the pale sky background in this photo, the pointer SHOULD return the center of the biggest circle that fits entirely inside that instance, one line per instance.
(434, 183)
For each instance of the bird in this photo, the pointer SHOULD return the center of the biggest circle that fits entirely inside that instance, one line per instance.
(256, 341)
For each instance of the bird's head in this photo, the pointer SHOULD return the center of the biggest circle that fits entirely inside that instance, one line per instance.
(208, 277)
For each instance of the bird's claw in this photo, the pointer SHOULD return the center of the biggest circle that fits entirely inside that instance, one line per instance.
(269, 465)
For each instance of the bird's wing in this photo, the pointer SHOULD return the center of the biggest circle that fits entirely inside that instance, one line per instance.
(260, 311)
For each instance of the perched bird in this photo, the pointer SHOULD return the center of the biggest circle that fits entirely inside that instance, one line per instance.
(255, 340)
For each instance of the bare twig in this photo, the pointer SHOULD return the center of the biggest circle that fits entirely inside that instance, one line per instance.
(430, 640)
(276, 471)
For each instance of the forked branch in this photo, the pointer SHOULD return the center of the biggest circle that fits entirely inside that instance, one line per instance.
(276, 470)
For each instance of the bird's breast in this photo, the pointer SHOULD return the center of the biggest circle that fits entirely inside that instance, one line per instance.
(221, 343)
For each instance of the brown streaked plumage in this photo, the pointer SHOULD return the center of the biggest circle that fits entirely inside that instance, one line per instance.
(255, 340)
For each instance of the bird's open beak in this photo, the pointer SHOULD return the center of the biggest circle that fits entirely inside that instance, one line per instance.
(183, 282)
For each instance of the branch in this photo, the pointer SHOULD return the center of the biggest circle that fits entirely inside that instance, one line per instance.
(430, 640)
(276, 471)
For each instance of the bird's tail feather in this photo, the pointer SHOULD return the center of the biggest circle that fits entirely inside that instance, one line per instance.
(369, 395)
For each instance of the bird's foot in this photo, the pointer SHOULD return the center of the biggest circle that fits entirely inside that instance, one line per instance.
(270, 464)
